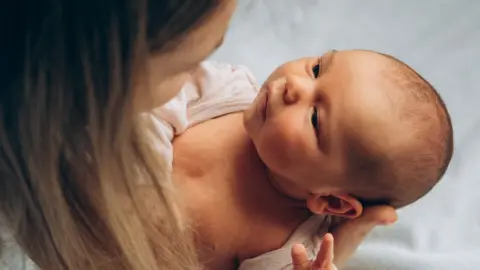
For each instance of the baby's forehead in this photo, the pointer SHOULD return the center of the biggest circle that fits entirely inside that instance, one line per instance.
(353, 59)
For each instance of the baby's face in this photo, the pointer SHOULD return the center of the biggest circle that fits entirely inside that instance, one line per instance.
(311, 111)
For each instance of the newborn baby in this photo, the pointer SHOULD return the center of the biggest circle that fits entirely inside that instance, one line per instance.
(366, 130)
(367, 127)
(335, 133)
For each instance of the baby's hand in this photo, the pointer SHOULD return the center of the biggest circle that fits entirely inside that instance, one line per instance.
(324, 260)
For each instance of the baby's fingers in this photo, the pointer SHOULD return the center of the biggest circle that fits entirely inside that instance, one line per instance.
(324, 260)
(300, 258)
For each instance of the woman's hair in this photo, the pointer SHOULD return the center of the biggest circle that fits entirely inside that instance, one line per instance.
(79, 186)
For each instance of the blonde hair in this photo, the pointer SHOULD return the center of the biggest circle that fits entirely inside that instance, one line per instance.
(72, 153)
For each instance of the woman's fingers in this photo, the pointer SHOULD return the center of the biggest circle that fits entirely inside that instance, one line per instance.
(379, 215)
(349, 235)
(300, 259)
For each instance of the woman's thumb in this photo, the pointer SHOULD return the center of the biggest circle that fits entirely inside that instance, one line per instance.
(378, 215)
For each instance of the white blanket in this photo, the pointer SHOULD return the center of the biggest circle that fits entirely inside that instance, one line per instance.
(439, 38)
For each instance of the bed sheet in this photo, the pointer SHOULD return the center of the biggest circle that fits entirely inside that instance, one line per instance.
(441, 40)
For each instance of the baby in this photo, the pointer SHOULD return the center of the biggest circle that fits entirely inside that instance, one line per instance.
(339, 132)
(356, 123)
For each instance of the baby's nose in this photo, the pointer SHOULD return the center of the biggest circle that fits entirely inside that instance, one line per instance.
(298, 89)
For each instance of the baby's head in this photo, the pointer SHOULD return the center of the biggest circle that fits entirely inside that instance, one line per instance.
(350, 129)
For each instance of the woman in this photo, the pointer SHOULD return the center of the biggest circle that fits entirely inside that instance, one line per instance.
(80, 186)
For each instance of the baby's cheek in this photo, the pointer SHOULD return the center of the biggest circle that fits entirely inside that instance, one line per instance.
(280, 148)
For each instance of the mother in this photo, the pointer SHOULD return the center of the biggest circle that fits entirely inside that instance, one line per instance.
(81, 186)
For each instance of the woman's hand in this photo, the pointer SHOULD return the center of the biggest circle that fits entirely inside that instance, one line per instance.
(349, 234)
(323, 261)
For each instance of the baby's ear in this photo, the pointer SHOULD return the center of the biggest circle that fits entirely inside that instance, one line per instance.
(337, 205)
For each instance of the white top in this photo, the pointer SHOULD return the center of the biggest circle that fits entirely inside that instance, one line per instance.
(224, 89)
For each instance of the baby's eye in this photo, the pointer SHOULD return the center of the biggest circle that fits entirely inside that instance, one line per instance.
(314, 118)
(316, 69)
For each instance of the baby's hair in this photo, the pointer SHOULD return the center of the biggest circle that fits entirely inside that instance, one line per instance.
(406, 174)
